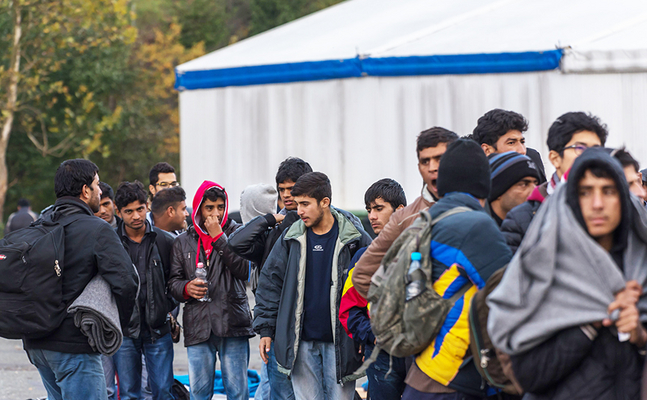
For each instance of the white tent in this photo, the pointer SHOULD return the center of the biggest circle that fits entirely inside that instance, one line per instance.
(350, 87)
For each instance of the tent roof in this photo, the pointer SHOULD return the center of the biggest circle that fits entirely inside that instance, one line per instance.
(420, 37)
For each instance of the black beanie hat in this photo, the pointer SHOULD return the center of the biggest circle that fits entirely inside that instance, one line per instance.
(507, 169)
(464, 168)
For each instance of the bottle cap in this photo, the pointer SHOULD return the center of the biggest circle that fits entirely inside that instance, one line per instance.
(415, 256)
(200, 265)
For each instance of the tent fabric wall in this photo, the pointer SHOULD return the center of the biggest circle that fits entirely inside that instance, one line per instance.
(359, 130)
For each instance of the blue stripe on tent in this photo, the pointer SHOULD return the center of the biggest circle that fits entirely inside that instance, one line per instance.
(356, 67)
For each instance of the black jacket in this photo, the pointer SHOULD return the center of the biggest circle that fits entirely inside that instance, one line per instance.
(571, 366)
(254, 240)
(158, 301)
(91, 247)
(228, 314)
(516, 223)
(280, 294)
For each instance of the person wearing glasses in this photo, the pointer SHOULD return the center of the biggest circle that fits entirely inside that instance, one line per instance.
(568, 137)
(162, 176)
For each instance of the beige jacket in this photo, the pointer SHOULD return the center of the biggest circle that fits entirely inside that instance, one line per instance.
(372, 257)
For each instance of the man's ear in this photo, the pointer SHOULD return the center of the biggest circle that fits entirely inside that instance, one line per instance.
(151, 189)
(85, 192)
(487, 149)
(401, 206)
(325, 202)
(118, 212)
(170, 211)
(555, 159)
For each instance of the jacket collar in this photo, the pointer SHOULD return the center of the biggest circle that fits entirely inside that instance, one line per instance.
(68, 205)
(347, 230)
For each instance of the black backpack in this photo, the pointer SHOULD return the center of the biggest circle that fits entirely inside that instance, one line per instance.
(31, 283)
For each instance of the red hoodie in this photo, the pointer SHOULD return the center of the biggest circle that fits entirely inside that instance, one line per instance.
(205, 240)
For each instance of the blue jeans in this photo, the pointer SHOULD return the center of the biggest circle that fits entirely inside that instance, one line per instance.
(314, 376)
(381, 387)
(159, 364)
(70, 376)
(280, 385)
(263, 389)
(234, 359)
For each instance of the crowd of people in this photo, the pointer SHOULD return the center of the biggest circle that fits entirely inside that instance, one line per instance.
(567, 317)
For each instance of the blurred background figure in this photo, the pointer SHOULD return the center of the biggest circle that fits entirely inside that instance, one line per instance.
(21, 218)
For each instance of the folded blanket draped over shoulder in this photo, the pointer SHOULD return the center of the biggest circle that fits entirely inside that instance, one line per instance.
(96, 314)
(561, 277)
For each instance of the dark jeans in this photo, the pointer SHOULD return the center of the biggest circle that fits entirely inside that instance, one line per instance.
(381, 387)
(412, 394)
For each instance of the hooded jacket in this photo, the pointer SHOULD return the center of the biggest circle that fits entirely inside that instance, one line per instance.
(91, 248)
(280, 294)
(227, 314)
(559, 282)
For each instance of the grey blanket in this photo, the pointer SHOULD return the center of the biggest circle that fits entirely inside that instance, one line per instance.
(96, 314)
(560, 278)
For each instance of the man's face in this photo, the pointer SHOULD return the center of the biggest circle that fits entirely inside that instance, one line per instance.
(134, 215)
(428, 161)
(165, 180)
(106, 210)
(513, 140)
(600, 205)
(634, 180)
(518, 193)
(285, 191)
(210, 207)
(572, 150)
(379, 212)
(179, 216)
(310, 211)
(644, 187)
(95, 195)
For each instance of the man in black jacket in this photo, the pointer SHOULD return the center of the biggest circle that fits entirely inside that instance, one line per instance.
(220, 324)
(148, 331)
(68, 366)
(255, 240)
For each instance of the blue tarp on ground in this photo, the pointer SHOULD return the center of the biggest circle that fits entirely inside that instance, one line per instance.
(253, 380)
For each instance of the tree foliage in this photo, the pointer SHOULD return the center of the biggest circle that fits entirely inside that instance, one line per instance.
(94, 79)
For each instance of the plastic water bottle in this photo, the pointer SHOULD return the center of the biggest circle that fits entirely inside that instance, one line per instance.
(201, 273)
(414, 287)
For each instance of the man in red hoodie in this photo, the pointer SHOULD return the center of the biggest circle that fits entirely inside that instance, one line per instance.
(222, 325)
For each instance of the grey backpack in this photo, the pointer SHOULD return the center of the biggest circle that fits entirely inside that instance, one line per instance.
(406, 327)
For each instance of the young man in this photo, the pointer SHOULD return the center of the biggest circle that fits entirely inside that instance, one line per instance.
(500, 131)
(569, 308)
(382, 199)
(107, 205)
(631, 169)
(68, 366)
(298, 291)
(148, 332)
(255, 240)
(431, 145)
(168, 210)
(466, 248)
(514, 177)
(161, 176)
(222, 325)
(568, 137)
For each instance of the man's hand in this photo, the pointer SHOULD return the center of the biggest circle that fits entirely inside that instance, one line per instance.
(629, 318)
(212, 223)
(196, 288)
(279, 218)
(264, 348)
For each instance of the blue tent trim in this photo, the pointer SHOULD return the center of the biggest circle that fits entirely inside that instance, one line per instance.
(358, 67)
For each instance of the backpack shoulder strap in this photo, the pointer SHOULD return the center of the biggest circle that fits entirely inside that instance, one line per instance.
(449, 213)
